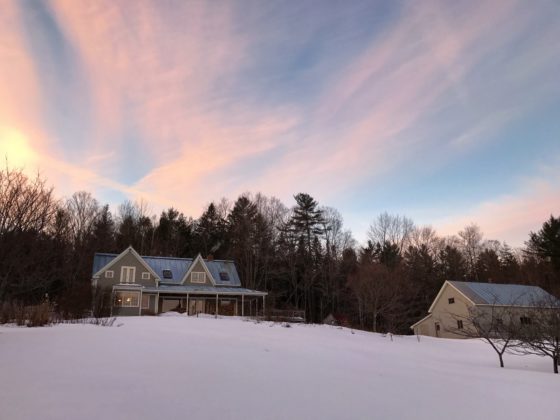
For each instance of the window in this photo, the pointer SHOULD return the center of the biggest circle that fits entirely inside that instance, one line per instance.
(451, 300)
(224, 276)
(459, 325)
(525, 320)
(499, 321)
(167, 274)
(109, 274)
(437, 327)
(145, 301)
(126, 299)
(127, 274)
(198, 277)
(145, 275)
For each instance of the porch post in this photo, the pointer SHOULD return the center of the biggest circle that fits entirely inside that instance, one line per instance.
(235, 306)
(257, 307)
(140, 304)
(157, 303)
(216, 306)
(112, 300)
(264, 305)
(187, 304)
(242, 305)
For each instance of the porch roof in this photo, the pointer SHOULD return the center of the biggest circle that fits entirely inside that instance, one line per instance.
(192, 289)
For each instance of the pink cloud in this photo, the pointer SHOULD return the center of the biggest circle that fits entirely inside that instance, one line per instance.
(511, 217)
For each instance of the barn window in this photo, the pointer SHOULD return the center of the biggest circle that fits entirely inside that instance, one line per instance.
(525, 320)
(451, 300)
(459, 325)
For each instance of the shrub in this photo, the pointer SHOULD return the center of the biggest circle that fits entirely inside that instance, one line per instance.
(39, 315)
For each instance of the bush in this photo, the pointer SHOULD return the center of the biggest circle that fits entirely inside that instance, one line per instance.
(7, 312)
(31, 316)
(39, 315)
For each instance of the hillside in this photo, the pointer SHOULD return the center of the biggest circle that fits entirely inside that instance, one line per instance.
(202, 368)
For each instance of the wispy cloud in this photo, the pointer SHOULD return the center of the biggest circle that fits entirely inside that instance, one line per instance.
(188, 101)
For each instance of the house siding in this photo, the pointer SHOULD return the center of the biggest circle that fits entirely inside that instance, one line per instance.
(128, 311)
(198, 267)
(129, 260)
(445, 314)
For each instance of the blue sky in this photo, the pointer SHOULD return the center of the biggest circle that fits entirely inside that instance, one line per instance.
(447, 112)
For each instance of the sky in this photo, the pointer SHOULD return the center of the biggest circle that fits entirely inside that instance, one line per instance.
(446, 112)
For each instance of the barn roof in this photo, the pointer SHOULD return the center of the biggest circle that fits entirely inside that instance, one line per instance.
(503, 294)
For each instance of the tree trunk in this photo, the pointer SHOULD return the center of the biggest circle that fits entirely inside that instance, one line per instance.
(501, 360)
(555, 362)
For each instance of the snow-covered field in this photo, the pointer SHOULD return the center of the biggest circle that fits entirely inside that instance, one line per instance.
(203, 368)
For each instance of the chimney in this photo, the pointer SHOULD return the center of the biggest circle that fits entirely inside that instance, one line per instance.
(210, 257)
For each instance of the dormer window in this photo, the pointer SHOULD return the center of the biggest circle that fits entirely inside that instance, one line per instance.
(224, 276)
(198, 277)
(167, 274)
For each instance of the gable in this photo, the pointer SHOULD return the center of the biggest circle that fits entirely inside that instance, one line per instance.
(449, 291)
(193, 274)
(128, 264)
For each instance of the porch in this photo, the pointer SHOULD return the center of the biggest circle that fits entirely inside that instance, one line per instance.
(227, 301)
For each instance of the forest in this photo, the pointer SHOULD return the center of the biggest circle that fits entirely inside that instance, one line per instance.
(299, 252)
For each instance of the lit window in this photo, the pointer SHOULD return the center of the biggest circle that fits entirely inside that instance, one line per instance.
(451, 300)
(198, 277)
(224, 276)
(109, 274)
(145, 275)
(167, 274)
(127, 299)
(459, 325)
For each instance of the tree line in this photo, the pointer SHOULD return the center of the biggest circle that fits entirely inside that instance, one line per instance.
(301, 254)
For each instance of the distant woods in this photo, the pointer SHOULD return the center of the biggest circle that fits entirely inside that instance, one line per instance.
(301, 254)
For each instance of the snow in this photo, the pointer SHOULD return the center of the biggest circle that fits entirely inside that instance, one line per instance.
(205, 368)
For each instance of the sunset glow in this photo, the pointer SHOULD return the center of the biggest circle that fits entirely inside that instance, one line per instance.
(447, 112)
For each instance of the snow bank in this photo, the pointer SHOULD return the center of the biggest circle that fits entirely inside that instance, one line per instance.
(204, 368)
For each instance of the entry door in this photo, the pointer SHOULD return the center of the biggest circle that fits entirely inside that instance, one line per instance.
(437, 329)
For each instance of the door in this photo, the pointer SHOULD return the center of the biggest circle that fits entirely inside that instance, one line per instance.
(437, 329)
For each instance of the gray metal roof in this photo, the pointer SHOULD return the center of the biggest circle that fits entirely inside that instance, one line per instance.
(503, 294)
(182, 289)
(178, 267)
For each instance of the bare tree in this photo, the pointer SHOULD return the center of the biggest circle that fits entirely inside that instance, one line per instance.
(393, 229)
(25, 204)
(495, 324)
(376, 289)
(82, 211)
(426, 236)
(540, 330)
(471, 239)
